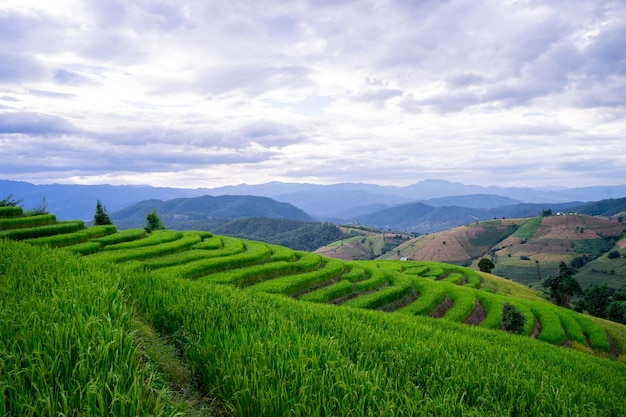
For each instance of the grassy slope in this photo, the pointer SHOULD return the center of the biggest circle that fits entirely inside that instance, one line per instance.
(269, 355)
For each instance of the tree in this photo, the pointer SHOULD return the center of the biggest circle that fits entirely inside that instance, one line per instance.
(486, 265)
(613, 254)
(546, 213)
(9, 202)
(616, 311)
(596, 300)
(563, 287)
(101, 216)
(153, 222)
(512, 319)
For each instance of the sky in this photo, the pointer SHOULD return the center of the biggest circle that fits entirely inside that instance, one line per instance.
(187, 93)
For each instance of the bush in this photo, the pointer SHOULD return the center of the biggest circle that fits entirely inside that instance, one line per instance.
(512, 319)
(613, 254)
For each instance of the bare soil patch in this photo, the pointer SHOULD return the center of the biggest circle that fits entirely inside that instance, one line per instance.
(442, 308)
(477, 315)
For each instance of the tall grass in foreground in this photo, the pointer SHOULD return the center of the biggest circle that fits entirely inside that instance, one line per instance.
(267, 355)
(66, 345)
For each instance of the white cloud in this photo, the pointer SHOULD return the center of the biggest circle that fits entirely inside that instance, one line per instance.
(199, 93)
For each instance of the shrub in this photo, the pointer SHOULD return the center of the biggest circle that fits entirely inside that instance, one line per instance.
(11, 211)
(613, 254)
(512, 319)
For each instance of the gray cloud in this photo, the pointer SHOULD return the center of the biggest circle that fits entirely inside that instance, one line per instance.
(33, 124)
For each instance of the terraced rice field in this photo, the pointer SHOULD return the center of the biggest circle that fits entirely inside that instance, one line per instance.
(432, 289)
(268, 331)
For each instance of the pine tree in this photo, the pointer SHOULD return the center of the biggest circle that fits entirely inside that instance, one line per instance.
(101, 217)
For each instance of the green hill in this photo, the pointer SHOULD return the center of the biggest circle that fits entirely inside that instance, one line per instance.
(260, 329)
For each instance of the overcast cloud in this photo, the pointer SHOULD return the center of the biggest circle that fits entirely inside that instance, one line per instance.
(201, 93)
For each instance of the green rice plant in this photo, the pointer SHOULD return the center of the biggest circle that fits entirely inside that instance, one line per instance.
(354, 274)
(27, 221)
(473, 278)
(551, 329)
(434, 271)
(212, 243)
(269, 355)
(400, 285)
(572, 328)
(155, 238)
(150, 251)
(201, 233)
(179, 258)
(290, 284)
(41, 231)
(417, 270)
(255, 253)
(282, 253)
(453, 278)
(121, 237)
(493, 309)
(67, 343)
(68, 239)
(85, 248)
(376, 279)
(463, 299)
(431, 294)
(596, 335)
(307, 261)
(11, 211)
(251, 273)
(331, 292)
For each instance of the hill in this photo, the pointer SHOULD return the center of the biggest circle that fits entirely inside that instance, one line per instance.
(293, 234)
(534, 251)
(177, 212)
(265, 330)
(458, 245)
(362, 244)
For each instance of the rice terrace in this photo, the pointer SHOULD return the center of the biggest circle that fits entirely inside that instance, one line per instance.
(96, 321)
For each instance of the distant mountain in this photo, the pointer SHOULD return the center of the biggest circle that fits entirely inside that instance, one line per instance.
(342, 201)
(472, 201)
(223, 208)
(423, 218)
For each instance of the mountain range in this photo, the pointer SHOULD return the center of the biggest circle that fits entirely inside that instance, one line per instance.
(336, 202)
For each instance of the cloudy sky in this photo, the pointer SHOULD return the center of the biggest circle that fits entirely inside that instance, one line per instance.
(198, 93)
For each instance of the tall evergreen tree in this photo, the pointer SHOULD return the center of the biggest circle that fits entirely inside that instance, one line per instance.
(101, 217)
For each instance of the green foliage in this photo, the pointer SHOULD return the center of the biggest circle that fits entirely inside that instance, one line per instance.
(592, 247)
(101, 217)
(613, 254)
(10, 202)
(596, 299)
(295, 234)
(160, 236)
(122, 236)
(564, 286)
(68, 239)
(41, 231)
(616, 311)
(153, 222)
(10, 211)
(267, 355)
(528, 229)
(66, 341)
(486, 265)
(512, 319)
(28, 221)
